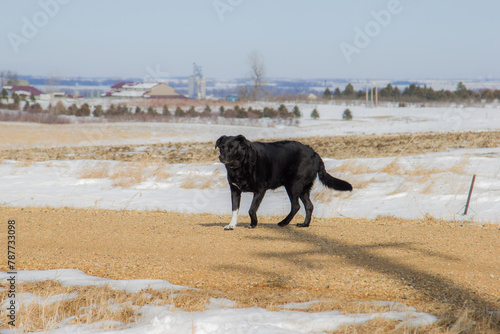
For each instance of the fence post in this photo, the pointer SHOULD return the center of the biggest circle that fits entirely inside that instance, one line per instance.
(470, 194)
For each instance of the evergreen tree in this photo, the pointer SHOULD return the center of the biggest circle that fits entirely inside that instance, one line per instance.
(327, 95)
(296, 112)
(347, 115)
(98, 112)
(487, 95)
(111, 110)
(32, 97)
(166, 112)
(349, 92)
(337, 94)
(191, 112)
(207, 112)
(270, 112)
(123, 109)
(461, 92)
(36, 108)
(179, 112)
(72, 110)
(315, 114)
(241, 113)
(152, 111)
(16, 98)
(60, 109)
(4, 95)
(282, 111)
(84, 110)
(387, 92)
(397, 93)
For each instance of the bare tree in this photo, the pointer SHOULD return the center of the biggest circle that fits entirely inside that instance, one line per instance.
(257, 73)
(10, 78)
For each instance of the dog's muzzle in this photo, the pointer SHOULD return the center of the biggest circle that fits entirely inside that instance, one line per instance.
(231, 164)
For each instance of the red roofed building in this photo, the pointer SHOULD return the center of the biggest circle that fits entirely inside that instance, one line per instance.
(25, 90)
(118, 86)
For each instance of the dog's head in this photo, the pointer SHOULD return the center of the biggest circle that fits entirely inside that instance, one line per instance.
(234, 150)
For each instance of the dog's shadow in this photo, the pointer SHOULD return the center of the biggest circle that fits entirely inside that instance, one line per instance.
(240, 225)
(213, 224)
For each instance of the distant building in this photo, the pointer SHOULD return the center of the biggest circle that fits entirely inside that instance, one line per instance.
(197, 85)
(23, 90)
(232, 98)
(144, 89)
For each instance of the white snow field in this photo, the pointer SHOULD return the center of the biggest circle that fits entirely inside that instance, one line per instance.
(434, 184)
(382, 120)
(219, 316)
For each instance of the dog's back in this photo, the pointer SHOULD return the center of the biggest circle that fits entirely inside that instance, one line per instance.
(284, 161)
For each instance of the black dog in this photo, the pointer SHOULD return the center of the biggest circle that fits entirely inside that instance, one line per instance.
(256, 167)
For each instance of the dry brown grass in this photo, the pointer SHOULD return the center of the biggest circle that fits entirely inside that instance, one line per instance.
(99, 171)
(94, 304)
(352, 166)
(126, 174)
(339, 147)
(460, 166)
(160, 171)
(129, 175)
(392, 168)
(91, 304)
(199, 181)
(24, 163)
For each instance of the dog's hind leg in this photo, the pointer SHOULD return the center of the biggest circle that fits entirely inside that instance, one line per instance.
(308, 206)
(293, 194)
(257, 199)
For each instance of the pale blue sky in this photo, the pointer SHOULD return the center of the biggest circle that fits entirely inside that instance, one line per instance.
(390, 39)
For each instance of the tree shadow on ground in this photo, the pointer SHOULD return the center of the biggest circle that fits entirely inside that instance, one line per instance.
(434, 288)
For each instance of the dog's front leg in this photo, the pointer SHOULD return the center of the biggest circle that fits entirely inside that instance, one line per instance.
(257, 198)
(235, 202)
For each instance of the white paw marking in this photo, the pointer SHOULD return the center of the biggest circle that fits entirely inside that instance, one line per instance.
(234, 221)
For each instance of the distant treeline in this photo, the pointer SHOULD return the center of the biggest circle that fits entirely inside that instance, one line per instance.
(415, 93)
(121, 110)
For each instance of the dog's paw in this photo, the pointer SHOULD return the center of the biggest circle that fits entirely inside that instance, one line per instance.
(229, 227)
(302, 225)
(252, 226)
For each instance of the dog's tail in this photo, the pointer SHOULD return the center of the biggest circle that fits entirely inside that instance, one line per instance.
(330, 181)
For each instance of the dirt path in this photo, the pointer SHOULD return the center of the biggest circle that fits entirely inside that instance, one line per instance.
(417, 262)
(338, 147)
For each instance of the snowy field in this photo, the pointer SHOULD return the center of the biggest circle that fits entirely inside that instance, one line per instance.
(411, 187)
(380, 121)
(433, 185)
(219, 316)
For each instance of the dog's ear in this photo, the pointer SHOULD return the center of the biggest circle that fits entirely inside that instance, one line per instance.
(220, 141)
(241, 139)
